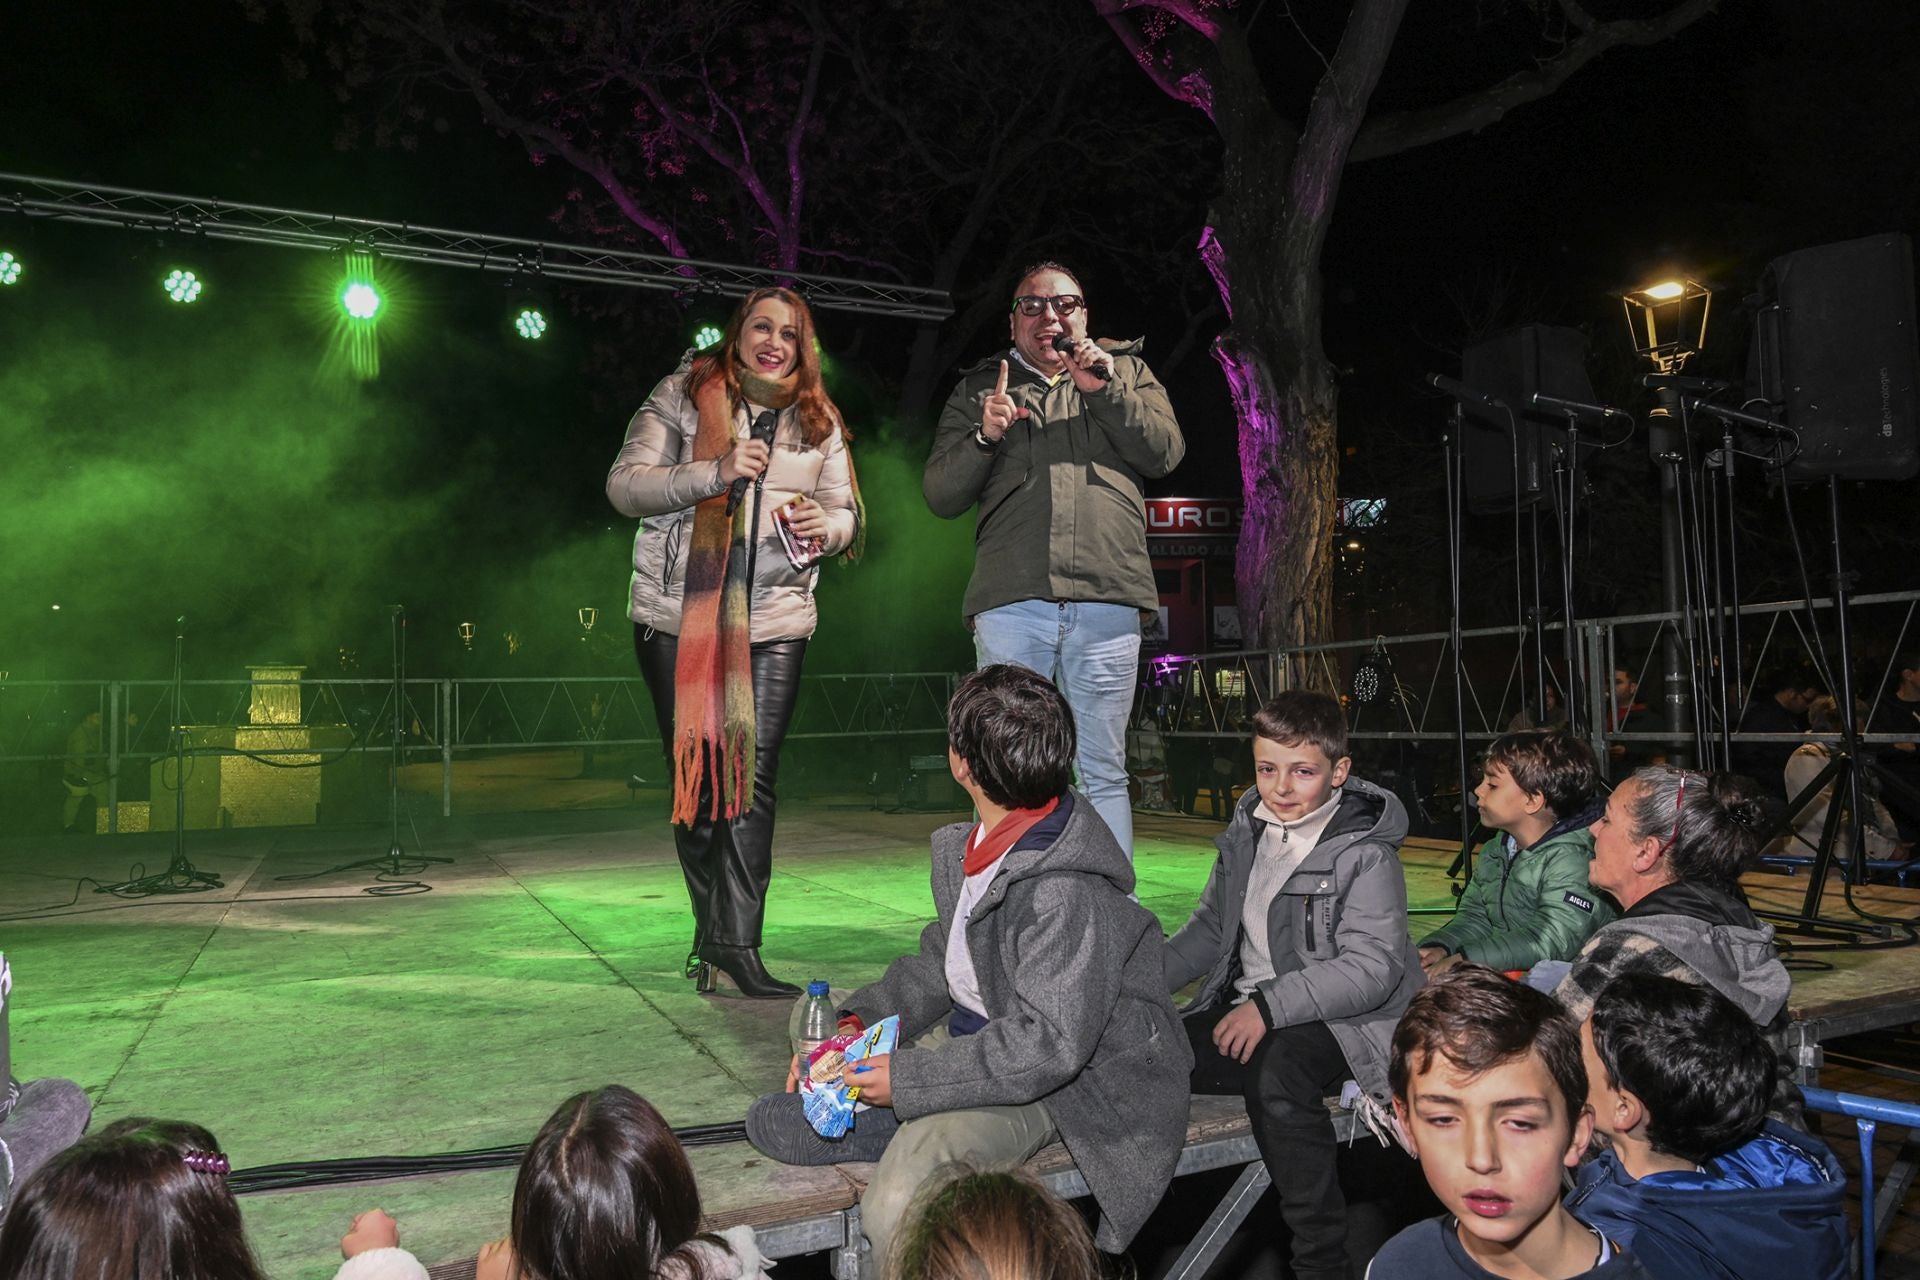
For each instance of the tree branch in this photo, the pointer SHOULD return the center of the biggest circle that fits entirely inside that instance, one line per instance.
(1402, 130)
(541, 140)
(1192, 88)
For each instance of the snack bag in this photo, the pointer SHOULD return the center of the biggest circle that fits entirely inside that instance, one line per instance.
(830, 1093)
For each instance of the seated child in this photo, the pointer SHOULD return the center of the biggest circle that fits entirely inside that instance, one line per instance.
(139, 1198)
(1698, 1182)
(994, 1226)
(1489, 1087)
(1036, 1004)
(604, 1193)
(1529, 899)
(1301, 936)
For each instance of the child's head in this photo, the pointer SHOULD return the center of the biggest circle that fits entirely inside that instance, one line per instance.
(1299, 752)
(1010, 733)
(1489, 1086)
(604, 1193)
(1534, 772)
(993, 1226)
(140, 1199)
(1676, 1064)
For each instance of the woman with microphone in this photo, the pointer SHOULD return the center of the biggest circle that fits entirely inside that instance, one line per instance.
(738, 441)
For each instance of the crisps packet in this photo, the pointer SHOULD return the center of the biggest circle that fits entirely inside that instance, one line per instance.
(830, 1093)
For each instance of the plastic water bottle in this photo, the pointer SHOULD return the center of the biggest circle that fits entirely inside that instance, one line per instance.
(813, 1020)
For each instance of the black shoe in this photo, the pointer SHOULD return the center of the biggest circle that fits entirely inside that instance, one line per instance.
(742, 964)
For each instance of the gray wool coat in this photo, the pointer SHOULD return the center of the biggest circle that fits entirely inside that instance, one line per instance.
(1337, 930)
(1072, 973)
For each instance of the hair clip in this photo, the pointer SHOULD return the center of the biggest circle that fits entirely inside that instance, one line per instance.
(207, 1162)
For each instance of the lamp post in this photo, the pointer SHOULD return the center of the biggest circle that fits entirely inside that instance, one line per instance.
(1667, 323)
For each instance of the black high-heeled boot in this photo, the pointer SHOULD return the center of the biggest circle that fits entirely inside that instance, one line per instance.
(743, 965)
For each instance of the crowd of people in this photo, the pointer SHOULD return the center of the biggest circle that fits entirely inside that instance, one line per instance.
(1584, 1061)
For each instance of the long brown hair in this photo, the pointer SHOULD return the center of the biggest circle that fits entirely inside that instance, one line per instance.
(818, 414)
(994, 1226)
(605, 1193)
(124, 1203)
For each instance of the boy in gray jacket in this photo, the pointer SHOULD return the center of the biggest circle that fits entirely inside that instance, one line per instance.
(1035, 1007)
(1301, 936)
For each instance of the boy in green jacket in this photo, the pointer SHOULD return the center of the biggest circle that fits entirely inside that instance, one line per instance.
(1529, 899)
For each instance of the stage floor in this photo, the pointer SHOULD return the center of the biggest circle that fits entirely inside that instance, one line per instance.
(306, 1020)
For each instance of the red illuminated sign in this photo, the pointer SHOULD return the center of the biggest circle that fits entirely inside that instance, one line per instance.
(1191, 517)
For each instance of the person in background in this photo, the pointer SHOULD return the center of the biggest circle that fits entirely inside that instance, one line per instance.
(994, 1225)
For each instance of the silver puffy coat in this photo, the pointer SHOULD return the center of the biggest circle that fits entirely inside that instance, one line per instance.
(655, 479)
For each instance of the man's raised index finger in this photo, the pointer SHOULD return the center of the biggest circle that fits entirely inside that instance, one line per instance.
(1000, 387)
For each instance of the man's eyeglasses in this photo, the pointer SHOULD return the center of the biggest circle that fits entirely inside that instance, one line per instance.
(1064, 304)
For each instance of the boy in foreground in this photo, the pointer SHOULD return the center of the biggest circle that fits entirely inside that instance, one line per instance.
(1301, 935)
(1489, 1086)
(1529, 899)
(1036, 1005)
(1697, 1182)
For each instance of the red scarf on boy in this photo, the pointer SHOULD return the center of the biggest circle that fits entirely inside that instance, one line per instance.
(992, 845)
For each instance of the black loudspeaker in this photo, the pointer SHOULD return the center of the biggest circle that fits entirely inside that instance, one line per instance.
(1834, 348)
(1513, 366)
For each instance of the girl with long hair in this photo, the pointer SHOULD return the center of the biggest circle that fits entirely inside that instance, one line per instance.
(737, 441)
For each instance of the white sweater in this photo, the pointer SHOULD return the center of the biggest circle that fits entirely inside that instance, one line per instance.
(738, 1259)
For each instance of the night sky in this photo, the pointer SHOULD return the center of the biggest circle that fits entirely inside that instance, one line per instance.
(207, 463)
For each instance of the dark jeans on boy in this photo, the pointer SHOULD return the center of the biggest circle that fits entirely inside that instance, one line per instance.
(1292, 1072)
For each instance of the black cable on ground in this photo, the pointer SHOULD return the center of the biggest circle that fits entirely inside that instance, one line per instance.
(323, 1173)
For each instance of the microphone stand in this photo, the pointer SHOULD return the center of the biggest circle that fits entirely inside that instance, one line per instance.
(181, 876)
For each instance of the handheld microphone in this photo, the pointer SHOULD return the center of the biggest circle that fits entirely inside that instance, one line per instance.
(1681, 382)
(763, 431)
(1579, 408)
(1460, 391)
(1064, 345)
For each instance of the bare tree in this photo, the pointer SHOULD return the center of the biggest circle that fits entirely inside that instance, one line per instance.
(1280, 181)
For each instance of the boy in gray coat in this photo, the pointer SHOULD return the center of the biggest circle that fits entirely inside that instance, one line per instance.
(1301, 936)
(1036, 1006)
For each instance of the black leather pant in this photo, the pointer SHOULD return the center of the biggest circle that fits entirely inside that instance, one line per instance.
(727, 864)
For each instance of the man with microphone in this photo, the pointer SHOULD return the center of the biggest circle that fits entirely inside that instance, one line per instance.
(1050, 441)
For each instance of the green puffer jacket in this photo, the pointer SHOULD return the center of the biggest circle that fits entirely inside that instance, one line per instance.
(1061, 515)
(1534, 905)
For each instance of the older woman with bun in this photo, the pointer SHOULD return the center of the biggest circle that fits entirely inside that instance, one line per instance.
(1669, 849)
(738, 441)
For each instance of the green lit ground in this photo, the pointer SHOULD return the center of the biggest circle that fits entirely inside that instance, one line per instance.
(299, 1023)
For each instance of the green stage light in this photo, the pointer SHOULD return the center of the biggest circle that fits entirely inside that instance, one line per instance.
(9, 269)
(530, 323)
(360, 300)
(706, 336)
(181, 286)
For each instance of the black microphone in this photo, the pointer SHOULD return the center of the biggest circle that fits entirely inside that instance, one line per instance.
(1578, 407)
(1460, 391)
(1064, 345)
(1754, 420)
(762, 430)
(1680, 382)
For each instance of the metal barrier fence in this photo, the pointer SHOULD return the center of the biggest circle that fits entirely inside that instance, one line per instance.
(47, 721)
(1399, 690)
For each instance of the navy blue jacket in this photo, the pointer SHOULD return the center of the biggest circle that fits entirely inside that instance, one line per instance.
(1769, 1209)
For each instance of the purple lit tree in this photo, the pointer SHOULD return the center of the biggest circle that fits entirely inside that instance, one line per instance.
(789, 136)
(1288, 139)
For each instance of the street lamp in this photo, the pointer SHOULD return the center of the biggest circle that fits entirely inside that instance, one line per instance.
(1667, 323)
(1667, 320)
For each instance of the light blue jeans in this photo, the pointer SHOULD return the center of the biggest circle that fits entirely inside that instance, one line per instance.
(1092, 652)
